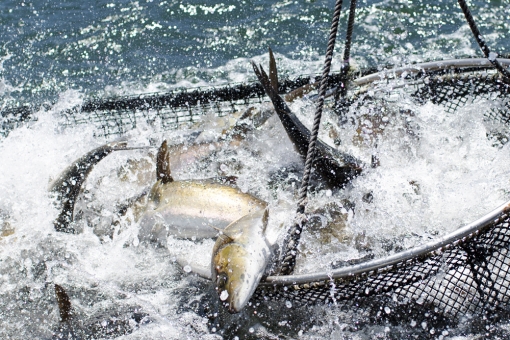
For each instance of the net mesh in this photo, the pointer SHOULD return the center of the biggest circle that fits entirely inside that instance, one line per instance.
(466, 277)
(469, 277)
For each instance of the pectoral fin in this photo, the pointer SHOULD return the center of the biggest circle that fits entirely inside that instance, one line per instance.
(202, 271)
(163, 172)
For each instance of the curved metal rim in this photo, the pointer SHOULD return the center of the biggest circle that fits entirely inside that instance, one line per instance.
(368, 266)
(428, 66)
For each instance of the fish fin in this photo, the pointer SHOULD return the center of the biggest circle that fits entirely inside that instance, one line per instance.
(336, 168)
(222, 232)
(163, 172)
(216, 228)
(64, 303)
(273, 72)
(265, 218)
(202, 271)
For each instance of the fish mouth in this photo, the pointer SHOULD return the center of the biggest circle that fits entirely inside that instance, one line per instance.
(229, 295)
(235, 303)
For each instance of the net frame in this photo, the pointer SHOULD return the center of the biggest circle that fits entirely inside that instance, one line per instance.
(466, 272)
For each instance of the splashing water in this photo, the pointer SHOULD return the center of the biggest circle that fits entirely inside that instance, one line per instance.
(437, 170)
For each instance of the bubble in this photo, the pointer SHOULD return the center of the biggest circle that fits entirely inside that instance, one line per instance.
(187, 269)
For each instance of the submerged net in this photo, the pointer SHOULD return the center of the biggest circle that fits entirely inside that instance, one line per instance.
(461, 274)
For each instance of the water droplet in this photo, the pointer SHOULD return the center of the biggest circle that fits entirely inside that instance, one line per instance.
(223, 295)
(288, 304)
(387, 310)
(187, 269)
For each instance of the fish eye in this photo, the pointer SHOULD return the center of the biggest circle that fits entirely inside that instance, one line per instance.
(221, 280)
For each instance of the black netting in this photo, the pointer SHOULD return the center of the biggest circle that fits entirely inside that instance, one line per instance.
(462, 278)
(116, 116)
(453, 91)
(465, 277)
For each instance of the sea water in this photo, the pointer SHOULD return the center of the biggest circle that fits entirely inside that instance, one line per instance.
(431, 180)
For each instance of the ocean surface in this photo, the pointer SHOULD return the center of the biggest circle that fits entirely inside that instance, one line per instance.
(62, 52)
(116, 47)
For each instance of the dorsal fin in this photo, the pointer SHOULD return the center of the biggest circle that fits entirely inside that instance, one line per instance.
(273, 73)
(64, 303)
(163, 172)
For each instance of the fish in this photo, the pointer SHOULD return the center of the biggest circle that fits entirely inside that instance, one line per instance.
(99, 326)
(240, 256)
(191, 208)
(224, 132)
(67, 186)
(333, 167)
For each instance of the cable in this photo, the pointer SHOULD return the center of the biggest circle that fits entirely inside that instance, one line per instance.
(292, 240)
(479, 39)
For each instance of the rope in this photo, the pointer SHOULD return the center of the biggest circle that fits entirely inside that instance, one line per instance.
(479, 39)
(291, 242)
(348, 38)
(342, 89)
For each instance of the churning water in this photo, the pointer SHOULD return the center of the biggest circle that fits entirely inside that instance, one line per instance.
(438, 171)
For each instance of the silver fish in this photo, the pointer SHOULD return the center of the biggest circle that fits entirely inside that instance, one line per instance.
(240, 257)
(201, 145)
(191, 208)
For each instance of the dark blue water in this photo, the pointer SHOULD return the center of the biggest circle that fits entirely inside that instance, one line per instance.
(104, 47)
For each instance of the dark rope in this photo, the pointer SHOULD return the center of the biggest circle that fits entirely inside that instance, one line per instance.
(480, 41)
(342, 89)
(291, 242)
(348, 37)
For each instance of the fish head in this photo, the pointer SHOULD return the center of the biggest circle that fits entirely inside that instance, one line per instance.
(236, 275)
(240, 256)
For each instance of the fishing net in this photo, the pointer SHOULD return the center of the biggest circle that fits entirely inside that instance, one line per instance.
(459, 275)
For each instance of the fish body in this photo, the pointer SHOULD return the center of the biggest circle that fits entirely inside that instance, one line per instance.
(194, 208)
(191, 208)
(240, 257)
(201, 145)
